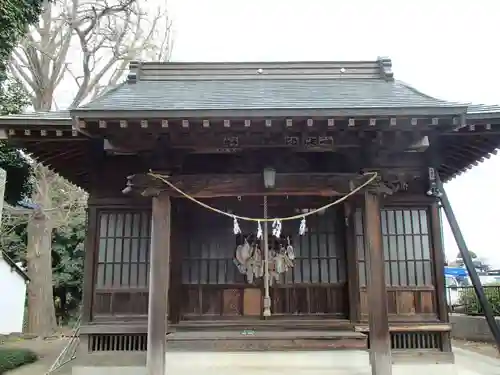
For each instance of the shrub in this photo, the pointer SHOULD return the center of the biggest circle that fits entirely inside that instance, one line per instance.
(11, 358)
(470, 301)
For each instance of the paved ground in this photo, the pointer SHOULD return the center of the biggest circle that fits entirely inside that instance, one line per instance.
(301, 363)
(471, 359)
(478, 347)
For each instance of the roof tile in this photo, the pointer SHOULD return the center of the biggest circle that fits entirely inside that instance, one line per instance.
(234, 94)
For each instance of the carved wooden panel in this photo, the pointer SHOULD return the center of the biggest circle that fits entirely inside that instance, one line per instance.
(406, 304)
(311, 300)
(121, 302)
(211, 300)
(232, 304)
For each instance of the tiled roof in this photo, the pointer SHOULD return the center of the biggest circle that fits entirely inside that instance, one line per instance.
(263, 94)
(263, 86)
(483, 111)
(47, 115)
(57, 118)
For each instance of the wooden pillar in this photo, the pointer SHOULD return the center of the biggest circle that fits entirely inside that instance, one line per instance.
(175, 287)
(438, 255)
(158, 284)
(439, 281)
(352, 262)
(89, 264)
(380, 342)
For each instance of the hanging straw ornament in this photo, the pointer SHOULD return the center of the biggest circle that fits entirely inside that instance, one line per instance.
(259, 230)
(236, 226)
(277, 228)
(302, 228)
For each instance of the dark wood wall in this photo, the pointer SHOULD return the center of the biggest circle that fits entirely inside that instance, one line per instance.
(203, 248)
(206, 283)
(315, 286)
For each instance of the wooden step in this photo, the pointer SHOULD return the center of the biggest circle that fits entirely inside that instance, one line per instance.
(266, 325)
(265, 340)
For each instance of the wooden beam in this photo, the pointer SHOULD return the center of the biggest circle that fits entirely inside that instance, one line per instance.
(380, 341)
(221, 185)
(158, 284)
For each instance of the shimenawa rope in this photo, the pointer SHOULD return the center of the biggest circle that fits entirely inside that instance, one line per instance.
(164, 179)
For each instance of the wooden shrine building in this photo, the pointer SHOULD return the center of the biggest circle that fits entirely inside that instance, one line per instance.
(369, 267)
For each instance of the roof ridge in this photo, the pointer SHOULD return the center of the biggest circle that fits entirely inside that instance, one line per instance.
(135, 63)
(380, 69)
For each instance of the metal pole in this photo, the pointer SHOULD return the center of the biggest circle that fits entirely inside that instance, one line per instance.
(464, 251)
(267, 298)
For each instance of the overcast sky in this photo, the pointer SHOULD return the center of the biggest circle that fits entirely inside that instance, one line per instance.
(444, 48)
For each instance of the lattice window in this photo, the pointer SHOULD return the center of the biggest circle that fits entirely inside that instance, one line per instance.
(360, 246)
(210, 249)
(319, 256)
(123, 253)
(406, 241)
(208, 257)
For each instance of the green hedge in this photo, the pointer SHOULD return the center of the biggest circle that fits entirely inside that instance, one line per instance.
(11, 358)
(470, 301)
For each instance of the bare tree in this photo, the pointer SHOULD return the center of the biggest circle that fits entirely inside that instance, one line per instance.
(89, 43)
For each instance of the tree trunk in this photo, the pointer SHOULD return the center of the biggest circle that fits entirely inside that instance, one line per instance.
(43, 100)
(41, 311)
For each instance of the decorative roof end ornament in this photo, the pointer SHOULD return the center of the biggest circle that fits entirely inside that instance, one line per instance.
(133, 74)
(385, 66)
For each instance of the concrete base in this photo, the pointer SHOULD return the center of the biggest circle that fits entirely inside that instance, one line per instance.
(271, 363)
(472, 328)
